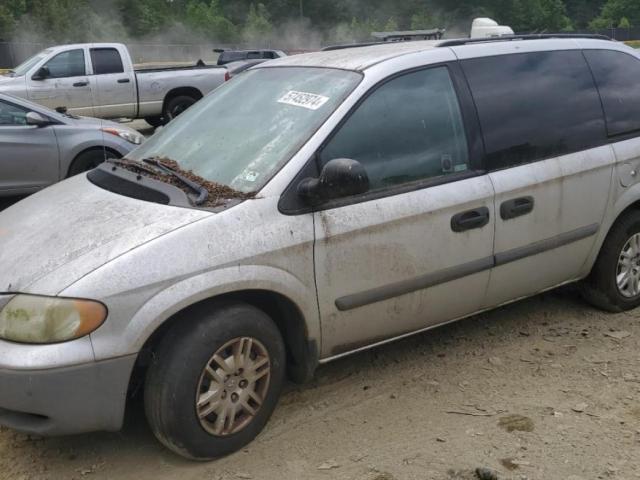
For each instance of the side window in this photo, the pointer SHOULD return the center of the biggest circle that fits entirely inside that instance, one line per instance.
(618, 78)
(534, 106)
(409, 129)
(12, 115)
(106, 60)
(67, 64)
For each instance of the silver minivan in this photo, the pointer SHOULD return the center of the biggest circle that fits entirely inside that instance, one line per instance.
(316, 206)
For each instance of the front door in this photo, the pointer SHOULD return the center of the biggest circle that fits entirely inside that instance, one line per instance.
(28, 154)
(65, 85)
(416, 250)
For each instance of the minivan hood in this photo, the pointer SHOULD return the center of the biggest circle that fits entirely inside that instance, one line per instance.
(53, 238)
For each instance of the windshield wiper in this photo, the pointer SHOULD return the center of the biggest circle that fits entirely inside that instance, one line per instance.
(203, 193)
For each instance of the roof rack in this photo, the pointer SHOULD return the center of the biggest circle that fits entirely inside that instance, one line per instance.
(533, 36)
(467, 41)
(352, 45)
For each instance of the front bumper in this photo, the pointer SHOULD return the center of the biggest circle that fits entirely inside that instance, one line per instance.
(69, 400)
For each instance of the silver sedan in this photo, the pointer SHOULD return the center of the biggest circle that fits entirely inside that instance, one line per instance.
(39, 147)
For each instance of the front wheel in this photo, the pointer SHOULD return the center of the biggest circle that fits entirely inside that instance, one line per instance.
(614, 282)
(89, 160)
(215, 380)
(155, 122)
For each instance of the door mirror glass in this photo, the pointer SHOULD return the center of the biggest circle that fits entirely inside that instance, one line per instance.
(34, 118)
(41, 74)
(339, 178)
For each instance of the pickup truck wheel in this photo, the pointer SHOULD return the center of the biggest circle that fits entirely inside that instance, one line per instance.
(155, 122)
(89, 160)
(176, 105)
(614, 282)
(215, 380)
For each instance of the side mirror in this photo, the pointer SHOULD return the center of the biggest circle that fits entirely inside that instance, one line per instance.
(37, 120)
(41, 74)
(341, 177)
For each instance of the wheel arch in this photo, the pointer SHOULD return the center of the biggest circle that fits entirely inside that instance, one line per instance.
(630, 202)
(176, 92)
(91, 149)
(302, 351)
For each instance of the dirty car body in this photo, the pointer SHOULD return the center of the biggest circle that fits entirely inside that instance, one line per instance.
(381, 209)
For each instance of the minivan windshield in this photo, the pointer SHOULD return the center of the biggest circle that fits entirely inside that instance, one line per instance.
(242, 133)
(25, 66)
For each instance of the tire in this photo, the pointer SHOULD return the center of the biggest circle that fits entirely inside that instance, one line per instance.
(601, 287)
(178, 376)
(89, 160)
(177, 105)
(155, 122)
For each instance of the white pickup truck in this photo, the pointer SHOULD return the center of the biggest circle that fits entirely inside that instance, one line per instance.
(99, 80)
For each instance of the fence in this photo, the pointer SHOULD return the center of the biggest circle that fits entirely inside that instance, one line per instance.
(620, 34)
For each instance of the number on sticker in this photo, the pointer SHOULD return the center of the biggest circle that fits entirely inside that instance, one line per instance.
(304, 100)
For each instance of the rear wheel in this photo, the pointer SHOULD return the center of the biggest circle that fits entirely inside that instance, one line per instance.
(614, 282)
(177, 105)
(89, 160)
(215, 380)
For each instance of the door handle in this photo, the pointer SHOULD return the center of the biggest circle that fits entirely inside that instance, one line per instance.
(81, 84)
(516, 207)
(123, 80)
(476, 218)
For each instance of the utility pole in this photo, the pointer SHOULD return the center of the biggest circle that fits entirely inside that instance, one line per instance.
(301, 10)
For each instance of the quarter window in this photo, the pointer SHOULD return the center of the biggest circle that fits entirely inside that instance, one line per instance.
(12, 115)
(106, 60)
(618, 78)
(409, 129)
(67, 64)
(534, 106)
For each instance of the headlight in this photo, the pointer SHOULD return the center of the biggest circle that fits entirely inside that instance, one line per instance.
(126, 134)
(34, 319)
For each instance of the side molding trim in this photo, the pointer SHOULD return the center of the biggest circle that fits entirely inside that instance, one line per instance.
(386, 292)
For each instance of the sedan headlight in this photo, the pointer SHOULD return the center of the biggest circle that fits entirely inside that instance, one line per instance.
(35, 319)
(128, 135)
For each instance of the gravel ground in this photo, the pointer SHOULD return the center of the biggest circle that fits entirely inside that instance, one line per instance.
(546, 388)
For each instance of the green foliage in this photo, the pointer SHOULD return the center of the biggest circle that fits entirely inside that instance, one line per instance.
(230, 21)
(614, 11)
(624, 23)
(258, 26)
(209, 20)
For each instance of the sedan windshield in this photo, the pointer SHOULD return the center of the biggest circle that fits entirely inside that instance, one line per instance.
(243, 132)
(25, 66)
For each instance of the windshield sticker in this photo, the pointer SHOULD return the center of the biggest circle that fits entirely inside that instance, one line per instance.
(251, 176)
(304, 100)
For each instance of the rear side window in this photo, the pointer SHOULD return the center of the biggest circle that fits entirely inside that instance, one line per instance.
(534, 106)
(409, 129)
(618, 78)
(106, 60)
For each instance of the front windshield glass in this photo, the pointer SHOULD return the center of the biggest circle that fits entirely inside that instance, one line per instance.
(243, 132)
(25, 66)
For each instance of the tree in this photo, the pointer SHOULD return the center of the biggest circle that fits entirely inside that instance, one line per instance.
(391, 25)
(258, 26)
(208, 20)
(613, 12)
(624, 23)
